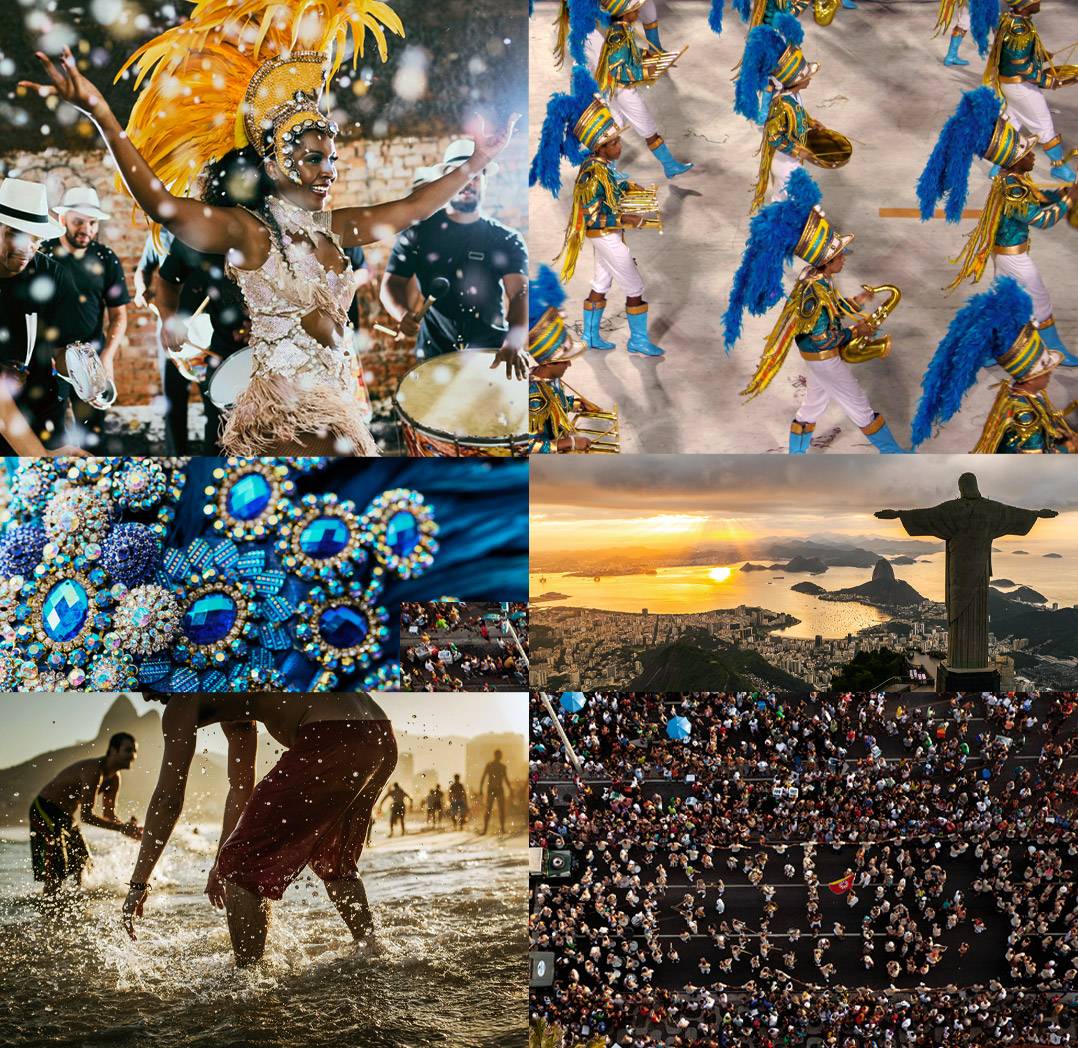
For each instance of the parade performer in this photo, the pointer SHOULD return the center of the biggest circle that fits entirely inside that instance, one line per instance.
(1021, 69)
(813, 316)
(581, 127)
(996, 326)
(246, 77)
(552, 347)
(775, 68)
(1015, 204)
(621, 70)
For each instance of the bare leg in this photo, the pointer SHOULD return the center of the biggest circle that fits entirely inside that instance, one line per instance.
(248, 921)
(350, 898)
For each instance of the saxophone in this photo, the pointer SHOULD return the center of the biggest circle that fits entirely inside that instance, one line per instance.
(824, 11)
(858, 350)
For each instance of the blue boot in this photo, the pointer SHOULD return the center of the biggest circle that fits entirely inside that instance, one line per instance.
(1062, 170)
(765, 105)
(1050, 337)
(638, 332)
(671, 167)
(882, 439)
(592, 338)
(952, 58)
(651, 31)
(800, 437)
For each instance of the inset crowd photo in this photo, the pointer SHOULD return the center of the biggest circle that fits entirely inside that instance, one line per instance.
(464, 646)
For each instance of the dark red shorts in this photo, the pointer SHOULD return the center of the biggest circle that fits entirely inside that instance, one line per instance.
(313, 809)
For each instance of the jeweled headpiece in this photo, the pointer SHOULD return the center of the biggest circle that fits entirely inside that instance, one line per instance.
(242, 72)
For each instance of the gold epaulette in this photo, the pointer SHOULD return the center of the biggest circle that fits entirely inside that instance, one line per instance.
(799, 315)
(973, 260)
(779, 117)
(549, 411)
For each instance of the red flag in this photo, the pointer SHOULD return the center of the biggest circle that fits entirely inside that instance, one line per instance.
(840, 887)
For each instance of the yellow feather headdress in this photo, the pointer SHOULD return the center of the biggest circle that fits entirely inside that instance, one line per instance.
(237, 66)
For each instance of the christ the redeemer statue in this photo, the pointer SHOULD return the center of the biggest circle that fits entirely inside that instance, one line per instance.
(968, 524)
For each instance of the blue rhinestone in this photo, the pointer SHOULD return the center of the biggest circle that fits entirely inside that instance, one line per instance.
(210, 618)
(324, 537)
(402, 533)
(64, 610)
(248, 497)
(343, 626)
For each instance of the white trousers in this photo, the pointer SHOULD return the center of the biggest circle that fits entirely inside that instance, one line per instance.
(626, 104)
(782, 166)
(833, 380)
(614, 262)
(1028, 110)
(962, 20)
(1025, 271)
(649, 12)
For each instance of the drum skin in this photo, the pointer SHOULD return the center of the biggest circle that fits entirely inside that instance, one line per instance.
(458, 406)
(230, 379)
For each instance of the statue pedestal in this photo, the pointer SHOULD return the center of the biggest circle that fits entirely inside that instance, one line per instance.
(948, 679)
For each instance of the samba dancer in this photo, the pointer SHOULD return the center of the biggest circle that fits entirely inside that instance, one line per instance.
(813, 316)
(599, 209)
(284, 248)
(997, 326)
(1015, 204)
(1021, 70)
(550, 404)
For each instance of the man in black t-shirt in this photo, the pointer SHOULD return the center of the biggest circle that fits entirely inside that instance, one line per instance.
(37, 302)
(98, 277)
(485, 262)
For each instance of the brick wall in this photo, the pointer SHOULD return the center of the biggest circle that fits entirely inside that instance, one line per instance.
(370, 171)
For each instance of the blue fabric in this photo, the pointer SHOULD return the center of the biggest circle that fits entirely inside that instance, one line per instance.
(714, 17)
(556, 137)
(773, 234)
(743, 8)
(789, 27)
(583, 14)
(986, 326)
(965, 136)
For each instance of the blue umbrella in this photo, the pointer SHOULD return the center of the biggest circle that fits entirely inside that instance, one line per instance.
(679, 728)
(571, 701)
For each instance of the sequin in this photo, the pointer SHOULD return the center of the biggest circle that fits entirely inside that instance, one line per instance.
(324, 537)
(210, 618)
(64, 611)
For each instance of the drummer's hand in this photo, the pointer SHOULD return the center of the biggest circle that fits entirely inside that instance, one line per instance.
(173, 333)
(632, 220)
(518, 361)
(408, 325)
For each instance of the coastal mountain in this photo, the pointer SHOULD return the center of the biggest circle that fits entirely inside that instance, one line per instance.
(1003, 583)
(1054, 556)
(903, 560)
(808, 587)
(1029, 596)
(883, 589)
(1049, 632)
(796, 565)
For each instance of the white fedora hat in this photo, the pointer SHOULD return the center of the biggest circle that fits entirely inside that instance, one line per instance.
(25, 206)
(83, 201)
(458, 152)
(423, 175)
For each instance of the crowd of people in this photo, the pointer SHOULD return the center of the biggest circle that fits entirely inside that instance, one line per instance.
(453, 646)
(893, 869)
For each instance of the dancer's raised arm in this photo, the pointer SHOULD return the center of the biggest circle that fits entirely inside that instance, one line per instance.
(364, 225)
(213, 230)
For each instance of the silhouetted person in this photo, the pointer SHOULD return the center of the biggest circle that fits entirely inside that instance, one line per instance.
(496, 777)
(396, 797)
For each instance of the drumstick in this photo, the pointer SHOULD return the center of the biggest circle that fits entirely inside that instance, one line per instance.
(439, 286)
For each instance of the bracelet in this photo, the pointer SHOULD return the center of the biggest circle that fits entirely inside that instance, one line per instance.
(140, 886)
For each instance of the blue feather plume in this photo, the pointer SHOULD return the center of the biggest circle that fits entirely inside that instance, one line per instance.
(714, 18)
(556, 137)
(763, 49)
(966, 135)
(789, 27)
(743, 8)
(544, 291)
(983, 18)
(583, 15)
(986, 326)
(773, 235)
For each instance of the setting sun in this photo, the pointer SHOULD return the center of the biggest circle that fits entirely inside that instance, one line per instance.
(719, 574)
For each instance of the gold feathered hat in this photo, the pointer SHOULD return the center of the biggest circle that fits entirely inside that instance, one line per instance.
(243, 72)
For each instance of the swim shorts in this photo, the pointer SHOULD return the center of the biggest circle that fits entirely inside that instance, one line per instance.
(312, 809)
(57, 849)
